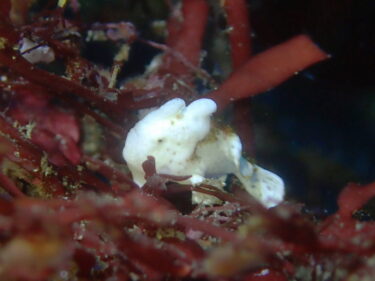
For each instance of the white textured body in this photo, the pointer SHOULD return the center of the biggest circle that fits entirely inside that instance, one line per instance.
(183, 142)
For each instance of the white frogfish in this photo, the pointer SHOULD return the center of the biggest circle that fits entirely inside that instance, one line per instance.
(184, 141)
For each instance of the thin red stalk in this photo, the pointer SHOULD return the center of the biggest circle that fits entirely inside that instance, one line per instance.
(269, 69)
(240, 42)
(9, 186)
(174, 24)
(243, 124)
(195, 14)
(239, 35)
(188, 38)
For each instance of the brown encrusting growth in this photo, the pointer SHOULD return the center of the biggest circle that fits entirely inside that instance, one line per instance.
(69, 209)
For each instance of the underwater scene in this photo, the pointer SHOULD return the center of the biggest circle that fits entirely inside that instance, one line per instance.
(228, 140)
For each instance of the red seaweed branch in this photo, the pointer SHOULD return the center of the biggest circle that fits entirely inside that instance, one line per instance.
(268, 69)
(239, 31)
(240, 43)
(186, 27)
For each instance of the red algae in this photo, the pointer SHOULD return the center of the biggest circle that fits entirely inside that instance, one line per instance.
(241, 49)
(190, 27)
(68, 212)
(239, 31)
(268, 69)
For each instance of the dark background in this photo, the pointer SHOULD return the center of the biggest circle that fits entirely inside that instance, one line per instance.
(320, 122)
